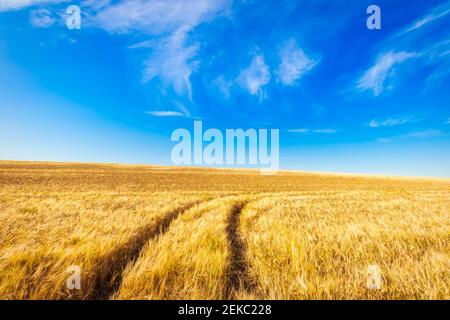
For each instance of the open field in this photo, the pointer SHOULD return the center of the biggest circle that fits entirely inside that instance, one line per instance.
(146, 232)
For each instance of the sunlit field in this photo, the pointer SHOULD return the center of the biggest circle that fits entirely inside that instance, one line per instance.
(147, 232)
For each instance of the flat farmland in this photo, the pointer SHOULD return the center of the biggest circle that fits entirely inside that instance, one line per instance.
(149, 232)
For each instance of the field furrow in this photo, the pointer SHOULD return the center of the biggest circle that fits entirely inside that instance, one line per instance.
(107, 274)
(190, 261)
(44, 235)
(238, 278)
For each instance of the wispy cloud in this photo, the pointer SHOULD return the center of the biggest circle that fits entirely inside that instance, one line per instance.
(303, 130)
(164, 113)
(434, 14)
(298, 130)
(324, 131)
(41, 18)
(158, 17)
(143, 44)
(7, 5)
(423, 134)
(431, 133)
(437, 76)
(95, 4)
(419, 39)
(375, 77)
(223, 85)
(255, 77)
(438, 57)
(389, 122)
(173, 61)
(169, 24)
(294, 63)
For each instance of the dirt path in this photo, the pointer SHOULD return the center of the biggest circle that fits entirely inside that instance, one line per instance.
(107, 277)
(238, 278)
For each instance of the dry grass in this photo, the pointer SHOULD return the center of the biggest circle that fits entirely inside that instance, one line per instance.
(142, 232)
(320, 246)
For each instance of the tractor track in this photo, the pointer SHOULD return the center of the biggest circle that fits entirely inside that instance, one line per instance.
(237, 275)
(107, 276)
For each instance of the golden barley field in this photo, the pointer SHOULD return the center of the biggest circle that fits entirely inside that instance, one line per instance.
(148, 232)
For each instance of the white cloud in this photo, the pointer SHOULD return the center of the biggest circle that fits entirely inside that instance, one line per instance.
(303, 130)
(424, 134)
(95, 4)
(374, 78)
(324, 131)
(173, 62)
(223, 85)
(144, 44)
(298, 130)
(158, 17)
(41, 18)
(438, 57)
(165, 113)
(389, 122)
(170, 24)
(432, 133)
(433, 15)
(7, 5)
(255, 77)
(437, 76)
(432, 52)
(294, 63)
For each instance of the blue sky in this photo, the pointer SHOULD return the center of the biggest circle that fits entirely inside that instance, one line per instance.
(345, 98)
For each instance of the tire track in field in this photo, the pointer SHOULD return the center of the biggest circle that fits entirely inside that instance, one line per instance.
(107, 276)
(237, 275)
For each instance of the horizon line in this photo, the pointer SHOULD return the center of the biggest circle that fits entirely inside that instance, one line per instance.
(285, 170)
